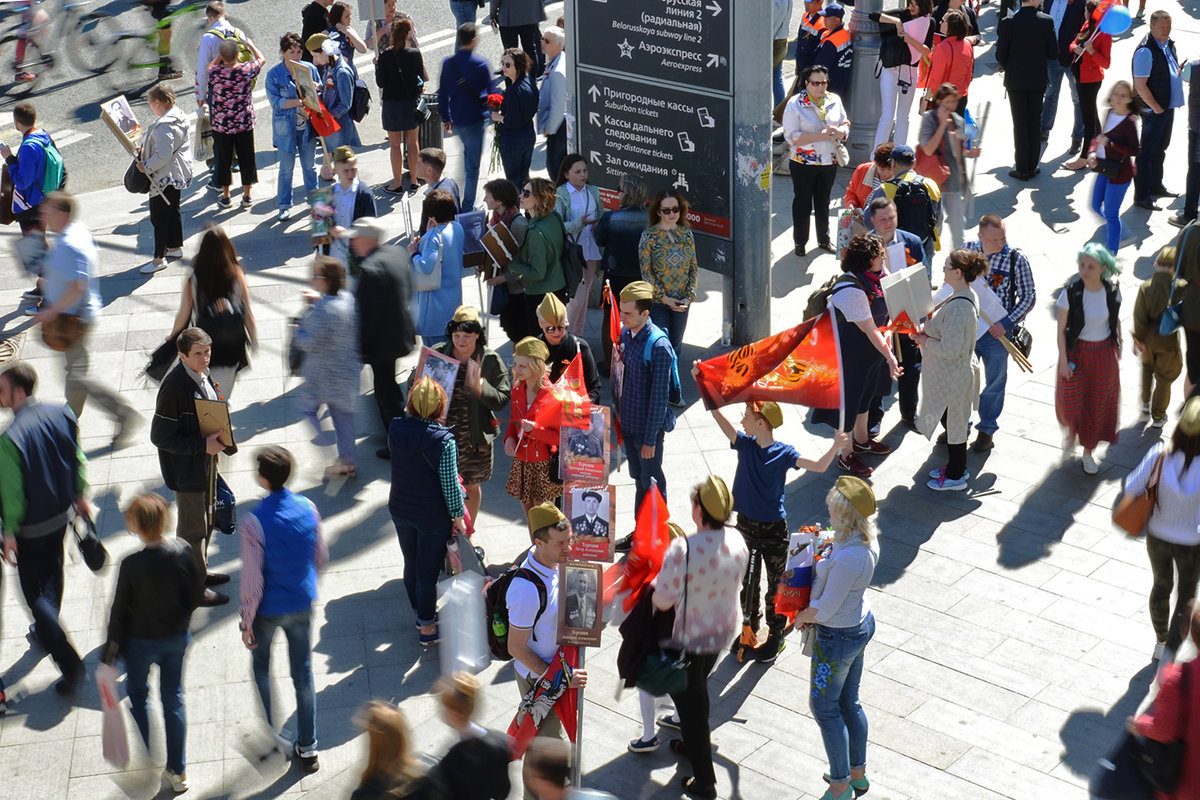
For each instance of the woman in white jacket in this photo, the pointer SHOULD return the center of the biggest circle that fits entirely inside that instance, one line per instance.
(814, 124)
(1172, 540)
(166, 158)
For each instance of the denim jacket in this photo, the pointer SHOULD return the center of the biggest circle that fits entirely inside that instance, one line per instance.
(281, 87)
(337, 89)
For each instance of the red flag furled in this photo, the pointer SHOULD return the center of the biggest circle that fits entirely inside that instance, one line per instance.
(568, 403)
(650, 540)
(799, 365)
(902, 324)
(322, 121)
(614, 315)
(552, 693)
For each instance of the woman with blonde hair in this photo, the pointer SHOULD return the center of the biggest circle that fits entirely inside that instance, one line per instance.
(476, 767)
(391, 771)
(844, 625)
(528, 444)
(537, 269)
(165, 157)
(1088, 390)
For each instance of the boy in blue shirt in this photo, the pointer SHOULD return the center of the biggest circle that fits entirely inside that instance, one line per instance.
(758, 487)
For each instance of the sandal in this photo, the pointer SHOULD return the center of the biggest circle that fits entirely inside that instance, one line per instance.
(429, 639)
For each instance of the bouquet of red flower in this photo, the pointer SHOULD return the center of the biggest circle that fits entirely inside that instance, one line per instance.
(494, 101)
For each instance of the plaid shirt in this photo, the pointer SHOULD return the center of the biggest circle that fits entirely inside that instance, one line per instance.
(645, 387)
(998, 279)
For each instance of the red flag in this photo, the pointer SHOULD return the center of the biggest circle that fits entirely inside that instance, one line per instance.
(567, 403)
(614, 315)
(799, 365)
(650, 540)
(612, 574)
(553, 691)
(902, 324)
(322, 121)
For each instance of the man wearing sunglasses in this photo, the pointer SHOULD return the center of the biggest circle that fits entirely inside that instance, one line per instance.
(564, 346)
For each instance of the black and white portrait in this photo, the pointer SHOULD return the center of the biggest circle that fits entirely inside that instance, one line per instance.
(581, 598)
(590, 507)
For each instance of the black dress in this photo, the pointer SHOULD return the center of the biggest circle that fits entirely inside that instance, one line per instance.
(863, 369)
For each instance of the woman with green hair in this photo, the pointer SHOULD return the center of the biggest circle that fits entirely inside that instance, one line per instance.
(1089, 344)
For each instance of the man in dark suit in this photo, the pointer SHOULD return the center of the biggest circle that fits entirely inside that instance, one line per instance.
(1026, 45)
(590, 523)
(386, 330)
(187, 457)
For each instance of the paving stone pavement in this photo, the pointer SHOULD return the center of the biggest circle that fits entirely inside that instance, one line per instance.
(1012, 639)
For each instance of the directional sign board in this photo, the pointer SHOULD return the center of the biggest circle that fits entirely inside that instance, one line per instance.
(685, 41)
(668, 136)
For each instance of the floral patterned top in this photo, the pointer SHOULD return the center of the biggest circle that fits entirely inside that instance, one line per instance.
(230, 95)
(711, 563)
(668, 260)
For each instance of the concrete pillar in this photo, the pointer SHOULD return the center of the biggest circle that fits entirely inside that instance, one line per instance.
(865, 105)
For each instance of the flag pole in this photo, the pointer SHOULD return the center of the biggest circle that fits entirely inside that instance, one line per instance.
(837, 347)
(577, 759)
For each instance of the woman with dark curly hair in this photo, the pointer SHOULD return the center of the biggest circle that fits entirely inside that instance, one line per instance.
(868, 364)
(949, 373)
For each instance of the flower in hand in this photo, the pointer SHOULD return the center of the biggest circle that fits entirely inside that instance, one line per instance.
(494, 101)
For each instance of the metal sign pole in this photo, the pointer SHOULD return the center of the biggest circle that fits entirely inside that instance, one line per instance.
(577, 756)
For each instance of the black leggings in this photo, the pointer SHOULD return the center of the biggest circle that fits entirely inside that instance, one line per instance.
(1087, 107)
(811, 185)
(167, 221)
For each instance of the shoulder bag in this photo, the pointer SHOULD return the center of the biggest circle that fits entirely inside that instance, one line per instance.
(63, 332)
(1020, 336)
(136, 181)
(664, 672)
(1133, 512)
(1170, 321)
(432, 281)
(90, 546)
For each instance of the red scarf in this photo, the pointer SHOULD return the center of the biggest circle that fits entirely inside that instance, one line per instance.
(873, 287)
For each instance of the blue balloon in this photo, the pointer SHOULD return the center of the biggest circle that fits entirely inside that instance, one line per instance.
(1116, 20)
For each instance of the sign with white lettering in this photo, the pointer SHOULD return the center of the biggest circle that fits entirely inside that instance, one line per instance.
(685, 41)
(667, 136)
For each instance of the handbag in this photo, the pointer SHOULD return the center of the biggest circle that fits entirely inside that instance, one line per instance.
(224, 516)
(1133, 512)
(431, 281)
(136, 181)
(161, 360)
(499, 301)
(1020, 336)
(1117, 776)
(63, 332)
(933, 166)
(90, 546)
(1161, 762)
(841, 154)
(1108, 167)
(1170, 322)
(666, 671)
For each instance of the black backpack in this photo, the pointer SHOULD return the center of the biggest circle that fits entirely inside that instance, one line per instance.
(224, 320)
(495, 604)
(914, 208)
(818, 301)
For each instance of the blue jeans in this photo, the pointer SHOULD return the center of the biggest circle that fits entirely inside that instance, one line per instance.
(995, 378)
(1156, 137)
(1106, 200)
(1057, 73)
(424, 551)
(168, 654)
(343, 424)
(463, 10)
(471, 137)
(673, 323)
(643, 470)
(837, 665)
(308, 168)
(297, 627)
(778, 93)
(516, 154)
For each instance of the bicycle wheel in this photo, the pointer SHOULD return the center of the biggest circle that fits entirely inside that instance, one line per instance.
(96, 42)
(33, 63)
(137, 71)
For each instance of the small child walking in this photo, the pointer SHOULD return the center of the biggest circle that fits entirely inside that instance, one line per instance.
(758, 493)
(1162, 360)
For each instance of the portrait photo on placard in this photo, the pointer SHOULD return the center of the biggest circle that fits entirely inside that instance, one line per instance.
(591, 512)
(586, 450)
(579, 618)
(441, 369)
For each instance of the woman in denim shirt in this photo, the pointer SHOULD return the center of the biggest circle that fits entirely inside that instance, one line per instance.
(515, 136)
(291, 132)
(620, 233)
(844, 625)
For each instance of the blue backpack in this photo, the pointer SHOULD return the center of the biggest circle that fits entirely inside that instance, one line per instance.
(675, 393)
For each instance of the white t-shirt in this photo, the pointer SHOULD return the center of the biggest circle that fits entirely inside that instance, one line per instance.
(523, 604)
(852, 302)
(1095, 315)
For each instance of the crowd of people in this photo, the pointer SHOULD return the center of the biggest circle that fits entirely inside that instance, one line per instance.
(369, 301)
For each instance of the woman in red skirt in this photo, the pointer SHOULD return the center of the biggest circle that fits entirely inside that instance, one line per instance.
(1089, 344)
(529, 444)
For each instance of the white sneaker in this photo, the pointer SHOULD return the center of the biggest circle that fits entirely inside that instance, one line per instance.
(1089, 464)
(1144, 410)
(285, 214)
(1158, 650)
(150, 267)
(176, 253)
(1158, 423)
(179, 782)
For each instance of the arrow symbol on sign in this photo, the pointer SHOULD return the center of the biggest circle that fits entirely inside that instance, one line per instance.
(593, 118)
(714, 8)
(596, 159)
(594, 92)
(714, 60)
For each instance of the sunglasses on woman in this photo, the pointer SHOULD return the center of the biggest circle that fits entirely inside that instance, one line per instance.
(668, 209)
(526, 193)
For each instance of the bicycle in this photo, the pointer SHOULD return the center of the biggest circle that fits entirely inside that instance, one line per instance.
(129, 58)
(26, 47)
